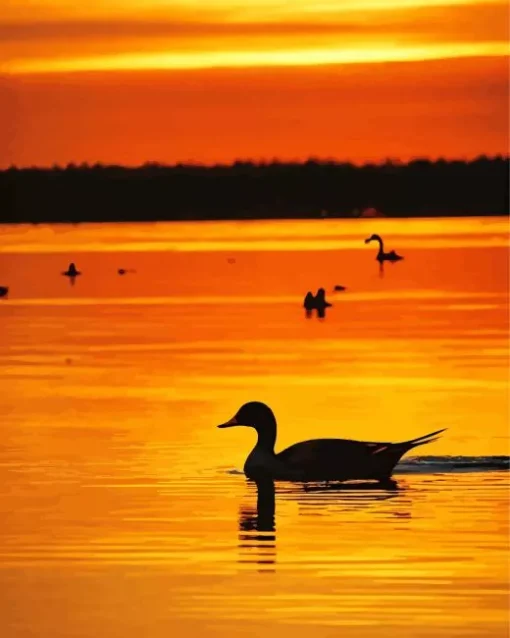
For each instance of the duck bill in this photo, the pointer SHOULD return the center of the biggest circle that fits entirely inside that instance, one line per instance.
(229, 424)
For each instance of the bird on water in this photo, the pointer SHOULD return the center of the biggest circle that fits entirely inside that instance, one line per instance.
(317, 302)
(382, 255)
(71, 271)
(4, 291)
(317, 459)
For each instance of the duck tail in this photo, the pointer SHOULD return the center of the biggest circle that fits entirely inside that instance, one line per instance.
(427, 438)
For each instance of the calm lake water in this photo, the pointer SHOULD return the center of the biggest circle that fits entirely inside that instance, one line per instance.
(124, 511)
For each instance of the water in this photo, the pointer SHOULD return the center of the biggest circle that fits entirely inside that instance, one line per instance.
(124, 511)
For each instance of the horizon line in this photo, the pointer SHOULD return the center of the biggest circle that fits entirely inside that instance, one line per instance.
(259, 162)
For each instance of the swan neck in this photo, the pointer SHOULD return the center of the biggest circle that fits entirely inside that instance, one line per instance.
(381, 245)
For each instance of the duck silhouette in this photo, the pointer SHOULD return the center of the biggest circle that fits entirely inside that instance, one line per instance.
(317, 302)
(4, 291)
(339, 288)
(309, 304)
(71, 271)
(382, 255)
(321, 304)
(317, 459)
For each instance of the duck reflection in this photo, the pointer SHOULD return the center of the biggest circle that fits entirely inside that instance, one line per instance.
(257, 527)
(317, 499)
(257, 532)
(379, 490)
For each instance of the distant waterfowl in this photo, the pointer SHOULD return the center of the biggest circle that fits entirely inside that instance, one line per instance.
(4, 291)
(309, 303)
(317, 459)
(71, 271)
(321, 304)
(317, 302)
(382, 255)
(124, 271)
(339, 288)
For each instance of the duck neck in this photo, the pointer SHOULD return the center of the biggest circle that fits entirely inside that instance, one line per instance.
(267, 435)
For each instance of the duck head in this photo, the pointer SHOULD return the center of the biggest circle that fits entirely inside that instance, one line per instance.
(259, 416)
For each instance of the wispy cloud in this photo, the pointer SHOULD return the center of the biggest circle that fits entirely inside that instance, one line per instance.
(471, 22)
(228, 36)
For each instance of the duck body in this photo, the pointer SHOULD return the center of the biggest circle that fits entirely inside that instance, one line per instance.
(341, 459)
(317, 459)
(382, 255)
(72, 271)
(317, 302)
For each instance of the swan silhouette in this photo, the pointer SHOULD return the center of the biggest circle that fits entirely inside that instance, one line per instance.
(381, 255)
(317, 459)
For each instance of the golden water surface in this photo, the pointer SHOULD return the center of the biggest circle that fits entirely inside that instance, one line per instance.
(124, 511)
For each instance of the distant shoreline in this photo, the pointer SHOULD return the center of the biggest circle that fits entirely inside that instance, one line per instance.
(250, 191)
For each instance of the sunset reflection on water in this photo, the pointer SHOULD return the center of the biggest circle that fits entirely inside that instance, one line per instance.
(123, 508)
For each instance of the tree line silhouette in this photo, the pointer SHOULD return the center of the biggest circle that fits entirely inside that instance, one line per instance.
(251, 190)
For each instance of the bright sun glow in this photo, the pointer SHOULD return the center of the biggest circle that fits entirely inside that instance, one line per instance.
(235, 59)
(57, 36)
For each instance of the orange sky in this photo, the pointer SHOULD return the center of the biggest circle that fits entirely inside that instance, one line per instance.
(154, 80)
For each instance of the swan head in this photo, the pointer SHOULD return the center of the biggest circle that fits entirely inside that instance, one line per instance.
(253, 414)
(372, 238)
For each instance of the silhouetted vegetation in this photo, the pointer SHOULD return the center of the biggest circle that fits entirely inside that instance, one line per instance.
(246, 190)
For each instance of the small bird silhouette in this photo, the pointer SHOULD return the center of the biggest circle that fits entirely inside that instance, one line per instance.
(321, 304)
(317, 302)
(339, 288)
(71, 271)
(309, 303)
(4, 291)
